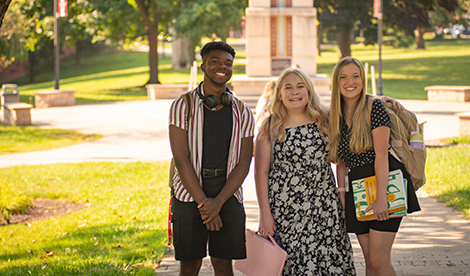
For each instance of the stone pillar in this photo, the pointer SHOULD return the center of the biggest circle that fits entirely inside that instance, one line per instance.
(280, 33)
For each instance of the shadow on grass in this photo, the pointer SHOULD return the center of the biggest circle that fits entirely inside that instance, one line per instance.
(457, 199)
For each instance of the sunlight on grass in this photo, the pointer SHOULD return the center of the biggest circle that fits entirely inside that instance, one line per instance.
(458, 140)
(12, 201)
(123, 225)
(448, 176)
(407, 71)
(15, 139)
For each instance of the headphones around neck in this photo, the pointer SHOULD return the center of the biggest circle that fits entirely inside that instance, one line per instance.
(211, 100)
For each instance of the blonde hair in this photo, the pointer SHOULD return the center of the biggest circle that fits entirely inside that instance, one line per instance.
(361, 134)
(314, 109)
(268, 89)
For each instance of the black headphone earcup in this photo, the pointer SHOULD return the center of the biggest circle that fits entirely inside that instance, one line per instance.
(210, 101)
(226, 98)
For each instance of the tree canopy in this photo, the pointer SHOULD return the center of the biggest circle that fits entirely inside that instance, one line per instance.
(31, 24)
(27, 29)
(402, 17)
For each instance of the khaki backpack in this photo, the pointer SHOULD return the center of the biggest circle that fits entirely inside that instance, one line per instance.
(403, 125)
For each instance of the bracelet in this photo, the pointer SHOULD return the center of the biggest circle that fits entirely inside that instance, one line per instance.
(341, 189)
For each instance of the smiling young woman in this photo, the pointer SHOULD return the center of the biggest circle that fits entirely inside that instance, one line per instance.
(294, 182)
(294, 93)
(359, 141)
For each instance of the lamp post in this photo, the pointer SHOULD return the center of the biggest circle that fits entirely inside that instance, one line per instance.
(60, 10)
(378, 13)
(56, 46)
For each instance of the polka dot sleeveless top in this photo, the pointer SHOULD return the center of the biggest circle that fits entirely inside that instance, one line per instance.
(378, 117)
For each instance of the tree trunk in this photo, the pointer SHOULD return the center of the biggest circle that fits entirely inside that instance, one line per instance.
(343, 39)
(319, 39)
(151, 22)
(183, 53)
(3, 9)
(419, 36)
(78, 52)
(152, 33)
(32, 66)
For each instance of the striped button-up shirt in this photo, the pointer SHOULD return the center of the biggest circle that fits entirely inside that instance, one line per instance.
(243, 126)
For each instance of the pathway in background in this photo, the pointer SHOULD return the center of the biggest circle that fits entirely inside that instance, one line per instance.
(138, 130)
(132, 131)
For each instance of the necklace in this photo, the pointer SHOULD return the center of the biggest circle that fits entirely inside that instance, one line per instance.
(215, 107)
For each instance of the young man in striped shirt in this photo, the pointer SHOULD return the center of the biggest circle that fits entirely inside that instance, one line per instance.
(212, 150)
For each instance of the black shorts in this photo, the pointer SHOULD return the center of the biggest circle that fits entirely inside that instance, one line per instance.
(190, 235)
(363, 227)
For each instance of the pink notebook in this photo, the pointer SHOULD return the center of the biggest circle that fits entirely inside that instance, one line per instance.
(263, 257)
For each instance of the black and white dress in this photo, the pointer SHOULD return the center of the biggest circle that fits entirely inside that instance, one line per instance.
(307, 212)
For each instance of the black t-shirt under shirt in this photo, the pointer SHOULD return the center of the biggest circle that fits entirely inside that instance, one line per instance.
(217, 135)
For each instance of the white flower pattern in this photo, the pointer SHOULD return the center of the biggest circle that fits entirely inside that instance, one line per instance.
(305, 206)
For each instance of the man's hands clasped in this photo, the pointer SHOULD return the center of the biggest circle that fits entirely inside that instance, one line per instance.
(209, 209)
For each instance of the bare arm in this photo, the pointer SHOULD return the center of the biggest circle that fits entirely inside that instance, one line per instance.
(340, 175)
(262, 166)
(380, 137)
(394, 102)
(180, 150)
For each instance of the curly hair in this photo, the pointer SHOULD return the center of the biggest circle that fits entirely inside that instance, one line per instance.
(217, 45)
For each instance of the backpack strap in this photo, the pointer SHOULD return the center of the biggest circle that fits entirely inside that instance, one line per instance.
(188, 100)
(170, 219)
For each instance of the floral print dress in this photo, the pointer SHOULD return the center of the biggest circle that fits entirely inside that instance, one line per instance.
(307, 212)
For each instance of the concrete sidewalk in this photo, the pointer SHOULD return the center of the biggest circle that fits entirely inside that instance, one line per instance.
(435, 241)
(132, 131)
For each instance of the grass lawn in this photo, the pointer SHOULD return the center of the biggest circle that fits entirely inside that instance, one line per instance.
(121, 75)
(15, 139)
(121, 232)
(406, 71)
(108, 76)
(448, 174)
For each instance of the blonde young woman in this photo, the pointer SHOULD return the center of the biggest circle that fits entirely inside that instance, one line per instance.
(294, 182)
(359, 141)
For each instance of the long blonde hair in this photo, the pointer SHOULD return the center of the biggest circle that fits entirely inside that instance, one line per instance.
(315, 109)
(361, 134)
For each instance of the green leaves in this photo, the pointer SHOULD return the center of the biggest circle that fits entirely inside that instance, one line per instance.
(202, 18)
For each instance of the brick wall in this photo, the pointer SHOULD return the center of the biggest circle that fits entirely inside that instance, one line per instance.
(289, 36)
(273, 36)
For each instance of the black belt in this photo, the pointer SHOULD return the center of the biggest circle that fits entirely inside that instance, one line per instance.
(212, 173)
